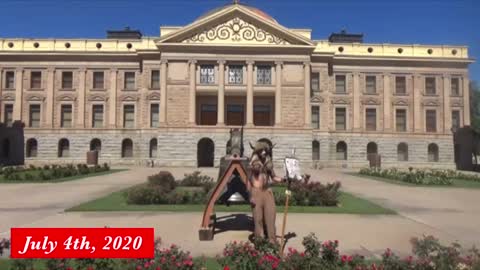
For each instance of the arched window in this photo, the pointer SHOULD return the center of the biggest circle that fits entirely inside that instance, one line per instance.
(432, 152)
(315, 150)
(205, 152)
(63, 148)
(153, 148)
(5, 150)
(31, 148)
(96, 145)
(341, 150)
(402, 152)
(372, 148)
(127, 148)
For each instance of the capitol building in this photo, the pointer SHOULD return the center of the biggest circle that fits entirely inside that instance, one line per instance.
(173, 98)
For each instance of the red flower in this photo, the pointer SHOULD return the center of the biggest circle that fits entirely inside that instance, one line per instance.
(139, 267)
(90, 268)
(226, 267)
(69, 268)
(158, 268)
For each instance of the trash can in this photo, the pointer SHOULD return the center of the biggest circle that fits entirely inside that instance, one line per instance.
(92, 157)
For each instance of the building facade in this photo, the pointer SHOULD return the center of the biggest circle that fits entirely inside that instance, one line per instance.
(173, 98)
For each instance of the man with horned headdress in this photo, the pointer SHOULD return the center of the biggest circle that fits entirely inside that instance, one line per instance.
(262, 200)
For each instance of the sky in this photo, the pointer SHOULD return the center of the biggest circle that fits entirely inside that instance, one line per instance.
(436, 22)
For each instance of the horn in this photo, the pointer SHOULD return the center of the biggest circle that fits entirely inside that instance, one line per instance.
(251, 146)
(273, 146)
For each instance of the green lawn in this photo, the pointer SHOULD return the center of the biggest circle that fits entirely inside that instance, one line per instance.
(349, 204)
(71, 178)
(456, 183)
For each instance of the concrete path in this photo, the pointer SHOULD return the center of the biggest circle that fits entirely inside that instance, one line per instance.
(448, 213)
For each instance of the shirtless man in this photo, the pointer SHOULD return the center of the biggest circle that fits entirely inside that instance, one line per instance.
(262, 200)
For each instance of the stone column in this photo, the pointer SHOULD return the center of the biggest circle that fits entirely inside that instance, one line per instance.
(50, 104)
(308, 109)
(466, 101)
(192, 92)
(278, 93)
(387, 103)
(357, 121)
(249, 93)
(113, 99)
(447, 109)
(163, 93)
(81, 98)
(221, 94)
(17, 107)
(417, 105)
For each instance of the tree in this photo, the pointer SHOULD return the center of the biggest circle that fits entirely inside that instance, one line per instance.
(475, 105)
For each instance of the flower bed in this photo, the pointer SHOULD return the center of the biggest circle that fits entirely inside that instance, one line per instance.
(413, 176)
(194, 188)
(427, 254)
(49, 172)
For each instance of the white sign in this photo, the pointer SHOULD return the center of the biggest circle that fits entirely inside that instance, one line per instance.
(292, 168)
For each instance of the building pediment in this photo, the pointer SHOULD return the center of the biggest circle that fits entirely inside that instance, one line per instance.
(97, 98)
(67, 97)
(235, 25)
(342, 101)
(8, 97)
(35, 97)
(371, 101)
(153, 96)
(457, 103)
(317, 99)
(400, 102)
(431, 103)
(129, 98)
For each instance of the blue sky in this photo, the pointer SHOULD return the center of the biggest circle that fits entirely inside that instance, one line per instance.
(454, 22)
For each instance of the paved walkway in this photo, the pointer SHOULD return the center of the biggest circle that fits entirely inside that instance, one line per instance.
(448, 213)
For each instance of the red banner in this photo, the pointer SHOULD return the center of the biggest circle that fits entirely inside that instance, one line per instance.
(82, 243)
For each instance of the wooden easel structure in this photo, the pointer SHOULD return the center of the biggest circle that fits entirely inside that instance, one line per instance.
(207, 227)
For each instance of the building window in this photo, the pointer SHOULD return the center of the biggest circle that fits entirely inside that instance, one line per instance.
(340, 118)
(455, 119)
(67, 80)
(207, 74)
(8, 115)
(431, 120)
(371, 84)
(34, 116)
(264, 75)
(341, 151)
(155, 79)
(98, 80)
(66, 116)
(10, 80)
(401, 120)
(400, 85)
(97, 116)
(455, 84)
(152, 153)
(262, 115)
(36, 80)
(129, 116)
(315, 117)
(372, 149)
(154, 115)
(235, 115)
(5, 148)
(63, 148)
(127, 148)
(31, 148)
(432, 152)
(340, 84)
(402, 152)
(235, 74)
(371, 119)
(129, 81)
(430, 86)
(96, 145)
(315, 83)
(315, 150)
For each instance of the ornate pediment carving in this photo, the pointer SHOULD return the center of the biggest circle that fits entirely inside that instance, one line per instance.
(66, 97)
(317, 99)
(431, 103)
(34, 97)
(457, 103)
(153, 96)
(238, 31)
(129, 98)
(371, 101)
(97, 98)
(8, 97)
(340, 101)
(400, 102)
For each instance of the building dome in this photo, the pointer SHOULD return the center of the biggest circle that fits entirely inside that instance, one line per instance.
(252, 9)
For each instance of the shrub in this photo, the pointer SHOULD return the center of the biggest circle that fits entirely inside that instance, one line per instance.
(163, 179)
(309, 193)
(58, 264)
(413, 176)
(146, 194)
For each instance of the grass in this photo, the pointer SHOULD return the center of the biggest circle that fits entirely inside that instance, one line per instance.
(349, 204)
(456, 183)
(64, 179)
